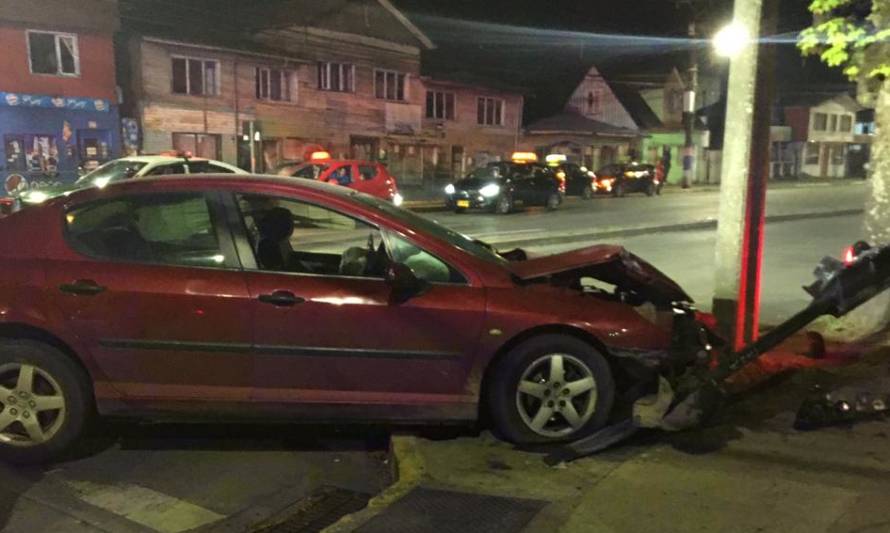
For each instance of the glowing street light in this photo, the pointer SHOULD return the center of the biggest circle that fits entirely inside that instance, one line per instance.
(731, 40)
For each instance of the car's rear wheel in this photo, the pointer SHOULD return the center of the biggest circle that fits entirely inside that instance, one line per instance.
(504, 204)
(651, 189)
(45, 401)
(553, 201)
(550, 389)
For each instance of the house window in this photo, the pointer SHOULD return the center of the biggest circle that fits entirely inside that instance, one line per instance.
(820, 122)
(595, 101)
(812, 157)
(53, 53)
(490, 111)
(198, 144)
(440, 105)
(273, 84)
(338, 77)
(389, 85)
(198, 77)
(833, 123)
(846, 123)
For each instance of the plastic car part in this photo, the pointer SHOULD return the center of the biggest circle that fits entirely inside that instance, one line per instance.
(699, 393)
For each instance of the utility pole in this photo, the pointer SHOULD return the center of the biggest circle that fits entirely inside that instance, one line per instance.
(744, 174)
(689, 105)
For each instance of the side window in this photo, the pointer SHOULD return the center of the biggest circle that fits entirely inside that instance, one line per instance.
(217, 169)
(206, 167)
(172, 229)
(167, 170)
(425, 265)
(292, 236)
(310, 171)
(341, 175)
(368, 172)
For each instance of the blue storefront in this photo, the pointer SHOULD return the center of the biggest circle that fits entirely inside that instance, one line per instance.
(46, 140)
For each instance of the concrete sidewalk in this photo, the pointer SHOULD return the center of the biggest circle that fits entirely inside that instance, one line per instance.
(752, 473)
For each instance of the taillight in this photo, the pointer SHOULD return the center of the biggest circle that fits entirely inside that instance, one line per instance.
(849, 255)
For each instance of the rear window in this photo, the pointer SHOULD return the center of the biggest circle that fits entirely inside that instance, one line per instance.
(172, 229)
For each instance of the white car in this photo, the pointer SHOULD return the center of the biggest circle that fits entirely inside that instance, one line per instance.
(134, 167)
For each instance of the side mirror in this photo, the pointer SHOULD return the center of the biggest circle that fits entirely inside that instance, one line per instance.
(404, 284)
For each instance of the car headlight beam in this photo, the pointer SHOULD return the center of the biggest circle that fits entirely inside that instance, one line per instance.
(449, 189)
(490, 190)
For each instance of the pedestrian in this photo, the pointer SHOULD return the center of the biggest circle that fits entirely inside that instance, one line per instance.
(666, 161)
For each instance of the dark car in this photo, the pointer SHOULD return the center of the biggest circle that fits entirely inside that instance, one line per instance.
(622, 178)
(577, 180)
(277, 298)
(501, 185)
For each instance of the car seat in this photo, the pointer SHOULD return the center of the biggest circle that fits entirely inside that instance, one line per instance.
(274, 249)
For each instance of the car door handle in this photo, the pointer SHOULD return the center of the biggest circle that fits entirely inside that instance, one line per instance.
(82, 287)
(281, 299)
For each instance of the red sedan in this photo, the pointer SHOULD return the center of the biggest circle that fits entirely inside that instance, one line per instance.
(281, 298)
(369, 177)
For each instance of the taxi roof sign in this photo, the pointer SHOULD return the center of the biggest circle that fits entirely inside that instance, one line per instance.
(524, 157)
(554, 159)
(317, 156)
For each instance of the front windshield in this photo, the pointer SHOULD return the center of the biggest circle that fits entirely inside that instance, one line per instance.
(117, 170)
(487, 173)
(473, 247)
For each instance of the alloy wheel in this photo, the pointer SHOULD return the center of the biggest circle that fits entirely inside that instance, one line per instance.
(504, 205)
(556, 395)
(33, 407)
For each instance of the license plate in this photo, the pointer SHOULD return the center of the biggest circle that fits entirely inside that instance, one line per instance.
(463, 203)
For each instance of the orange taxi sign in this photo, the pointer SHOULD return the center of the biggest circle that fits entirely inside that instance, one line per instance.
(316, 156)
(524, 157)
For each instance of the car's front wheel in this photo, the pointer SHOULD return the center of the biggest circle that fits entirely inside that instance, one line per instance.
(618, 190)
(550, 389)
(553, 201)
(587, 192)
(45, 401)
(503, 205)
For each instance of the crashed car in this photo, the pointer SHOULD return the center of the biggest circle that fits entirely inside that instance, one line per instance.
(277, 298)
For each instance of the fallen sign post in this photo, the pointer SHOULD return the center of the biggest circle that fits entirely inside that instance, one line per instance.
(686, 401)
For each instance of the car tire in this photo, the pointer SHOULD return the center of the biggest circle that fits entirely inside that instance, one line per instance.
(587, 193)
(57, 380)
(651, 189)
(503, 205)
(513, 411)
(459, 210)
(553, 201)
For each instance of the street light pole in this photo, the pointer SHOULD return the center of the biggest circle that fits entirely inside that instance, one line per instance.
(744, 172)
(689, 110)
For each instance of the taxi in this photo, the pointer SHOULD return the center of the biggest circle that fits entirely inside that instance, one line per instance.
(369, 177)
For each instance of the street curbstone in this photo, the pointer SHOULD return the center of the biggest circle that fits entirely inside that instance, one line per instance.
(408, 469)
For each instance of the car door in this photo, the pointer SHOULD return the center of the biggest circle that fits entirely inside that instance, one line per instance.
(370, 180)
(523, 184)
(151, 285)
(327, 326)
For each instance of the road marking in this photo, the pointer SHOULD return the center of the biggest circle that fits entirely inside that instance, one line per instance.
(145, 506)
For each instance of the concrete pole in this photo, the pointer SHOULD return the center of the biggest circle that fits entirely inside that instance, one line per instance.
(689, 96)
(251, 133)
(734, 175)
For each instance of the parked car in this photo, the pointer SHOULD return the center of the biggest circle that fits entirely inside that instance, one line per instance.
(369, 177)
(499, 186)
(578, 180)
(619, 179)
(133, 167)
(280, 298)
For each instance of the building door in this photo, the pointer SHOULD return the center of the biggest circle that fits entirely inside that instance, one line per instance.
(364, 148)
(823, 160)
(457, 161)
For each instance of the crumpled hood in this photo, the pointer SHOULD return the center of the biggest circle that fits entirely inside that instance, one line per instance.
(609, 263)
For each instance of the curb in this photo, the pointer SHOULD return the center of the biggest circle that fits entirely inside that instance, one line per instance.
(710, 223)
(409, 471)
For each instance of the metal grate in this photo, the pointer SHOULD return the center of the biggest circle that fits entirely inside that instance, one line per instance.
(428, 510)
(316, 512)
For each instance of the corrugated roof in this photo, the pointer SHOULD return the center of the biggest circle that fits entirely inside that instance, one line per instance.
(567, 122)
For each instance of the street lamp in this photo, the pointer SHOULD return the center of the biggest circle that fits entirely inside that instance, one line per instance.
(731, 40)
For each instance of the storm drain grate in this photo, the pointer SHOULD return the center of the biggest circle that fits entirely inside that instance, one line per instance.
(319, 510)
(428, 510)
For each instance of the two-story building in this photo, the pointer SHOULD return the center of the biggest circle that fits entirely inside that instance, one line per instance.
(817, 136)
(471, 122)
(347, 80)
(593, 128)
(58, 94)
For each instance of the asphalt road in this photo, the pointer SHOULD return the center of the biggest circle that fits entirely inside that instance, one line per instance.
(792, 248)
(130, 477)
